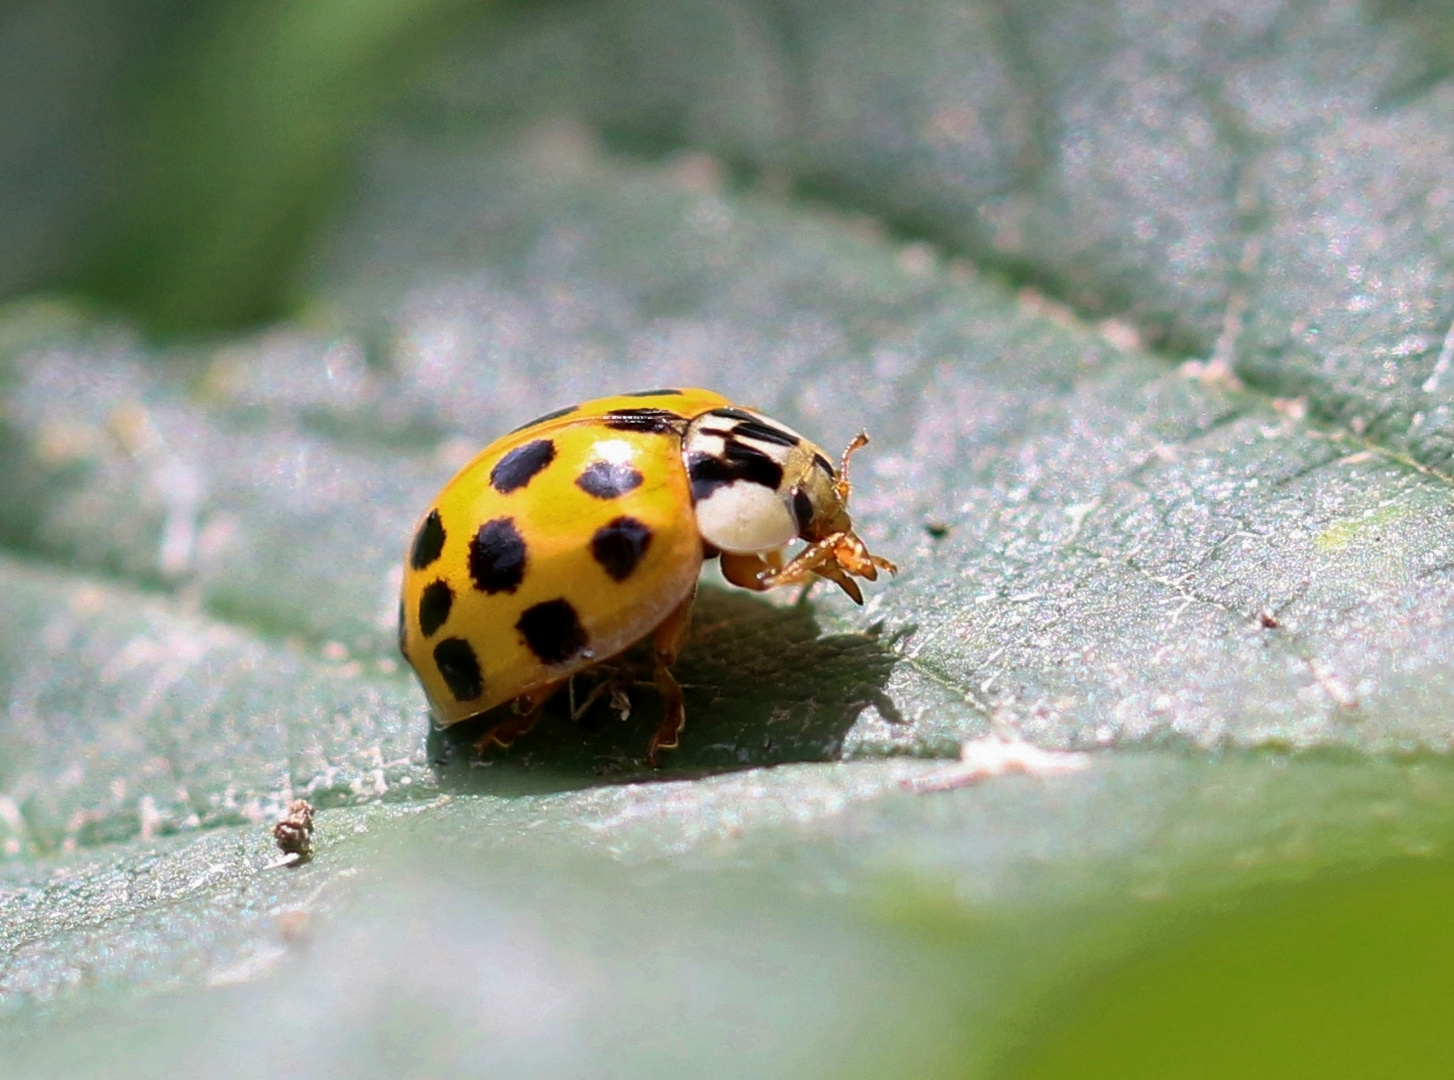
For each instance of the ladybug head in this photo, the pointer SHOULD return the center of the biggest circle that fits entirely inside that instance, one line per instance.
(757, 484)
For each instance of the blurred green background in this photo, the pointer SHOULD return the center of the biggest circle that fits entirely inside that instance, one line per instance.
(1148, 306)
(175, 159)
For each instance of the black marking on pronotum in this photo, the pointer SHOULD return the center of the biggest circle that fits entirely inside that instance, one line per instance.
(434, 605)
(554, 414)
(826, 465)
(653, 393)
(519, 466)
(652, 421)
(802, 509)
(605, 480)
(753, 427)
(738, 461)
(619, 545)
(552, 630)
(497, 556)
(428, 542)
(460, 668)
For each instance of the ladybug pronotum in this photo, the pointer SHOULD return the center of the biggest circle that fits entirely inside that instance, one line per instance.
(583, 532)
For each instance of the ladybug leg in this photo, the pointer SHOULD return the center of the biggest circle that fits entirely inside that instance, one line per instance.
(528, 709)
(606, 685)
(852, 555)
(833, 572)
(746, 570)
(615, 681)
(667, 642)
(834, 557)
(818, 558)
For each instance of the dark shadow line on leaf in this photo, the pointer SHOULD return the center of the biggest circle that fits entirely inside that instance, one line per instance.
(763, 686)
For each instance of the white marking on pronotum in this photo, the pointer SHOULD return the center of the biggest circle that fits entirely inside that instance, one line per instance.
(744, 517)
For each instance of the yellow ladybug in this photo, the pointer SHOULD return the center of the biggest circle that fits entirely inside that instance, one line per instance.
(583, 532)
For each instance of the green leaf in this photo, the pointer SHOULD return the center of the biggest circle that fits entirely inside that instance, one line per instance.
(1225, 583)
(186, 152)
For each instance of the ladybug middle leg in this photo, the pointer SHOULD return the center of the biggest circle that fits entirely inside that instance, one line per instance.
(667, 642)
(528, 708)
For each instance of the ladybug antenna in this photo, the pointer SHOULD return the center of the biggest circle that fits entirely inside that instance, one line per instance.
(841, 485)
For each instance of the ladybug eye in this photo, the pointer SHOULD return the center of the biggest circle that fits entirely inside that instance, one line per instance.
(802, 509)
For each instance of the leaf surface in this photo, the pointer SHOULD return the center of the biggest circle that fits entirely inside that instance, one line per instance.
(1226, 582)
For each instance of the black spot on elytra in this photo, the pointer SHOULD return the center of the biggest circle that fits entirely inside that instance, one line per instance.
(651, 421)
(802, 509)
(434, 605)
(460, 668)
(554, 414)
(619, 545)
(653, 393)
(428, 542)
(552, 630)
(403, 629)
(826, 465)
(519, 466)
(738, 461)
(497, 556)
(607, 481)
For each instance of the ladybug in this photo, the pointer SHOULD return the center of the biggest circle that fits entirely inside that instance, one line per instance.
(583, 532)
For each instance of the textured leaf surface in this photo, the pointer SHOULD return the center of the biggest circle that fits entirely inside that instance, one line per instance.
(1233, 592)
(1269, 180)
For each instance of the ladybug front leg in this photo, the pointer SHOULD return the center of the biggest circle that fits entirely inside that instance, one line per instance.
(667, 642)
(748, 571)
(818, 558)
(834, 557)
(831, 571)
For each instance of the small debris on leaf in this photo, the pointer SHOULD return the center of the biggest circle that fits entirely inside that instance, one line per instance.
(293, 926)
(980, 759)
(294, 834)
(1294, 408)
